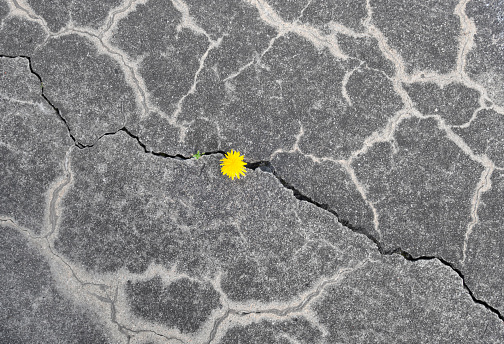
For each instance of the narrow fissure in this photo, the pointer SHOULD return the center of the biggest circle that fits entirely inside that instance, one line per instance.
(266, 166)
(76, 142)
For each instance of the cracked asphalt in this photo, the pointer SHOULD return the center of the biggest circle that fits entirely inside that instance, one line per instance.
(373, 202)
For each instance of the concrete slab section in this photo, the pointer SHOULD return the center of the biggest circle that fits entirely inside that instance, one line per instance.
(59, 13)
(424, 33)
(399, 301)
(370, 210)
(86, 86)
(33, 309)
(422, 185)
(33, 146)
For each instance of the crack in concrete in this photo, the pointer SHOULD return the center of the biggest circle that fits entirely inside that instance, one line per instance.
(76, 142)
(100, 40)
(192, 89)
(344, 82)
(484, 185)
(269, 16)
(466, 38)
(290, 310)
(256, 60)
(266, 166)
(57, 194)
(121, 9)
(124, 329)
(307, 300)
(378, 244)
(131, 73)
(187, 20)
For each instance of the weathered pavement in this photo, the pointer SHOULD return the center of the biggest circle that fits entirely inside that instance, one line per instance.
(371, 211)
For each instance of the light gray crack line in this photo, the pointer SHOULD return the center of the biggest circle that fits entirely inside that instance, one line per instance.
(118, 57)
(57, 194)
(336, 278)
(484, 185)
(217, 324)
(77, 278)
(270, 17)
(187, 20)
(344, 82)
(114, 12)
(123, 329)
(340, 274)
(192, 89)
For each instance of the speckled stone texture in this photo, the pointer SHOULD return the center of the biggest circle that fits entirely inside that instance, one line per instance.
(33, 145)
(370, 211)
(33, 309)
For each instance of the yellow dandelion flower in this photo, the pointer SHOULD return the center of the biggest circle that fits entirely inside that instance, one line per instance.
(233, 165)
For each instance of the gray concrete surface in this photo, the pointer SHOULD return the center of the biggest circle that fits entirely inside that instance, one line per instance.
(371, 210)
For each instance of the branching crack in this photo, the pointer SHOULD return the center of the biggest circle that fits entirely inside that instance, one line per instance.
(76, 142)
(267, 167)
(123, 329)
(409, 257)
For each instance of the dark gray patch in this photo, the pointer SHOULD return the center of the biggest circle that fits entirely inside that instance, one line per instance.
(484, 135)
(424, 32)
(274, 332)
(33, 143)
(397, 301)
(33, 311)
(455, 103)
(422, 192)
(183, 304)
(20, 37)
(83, 85)
(58, 13)
(151, 27)
(4, 10)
